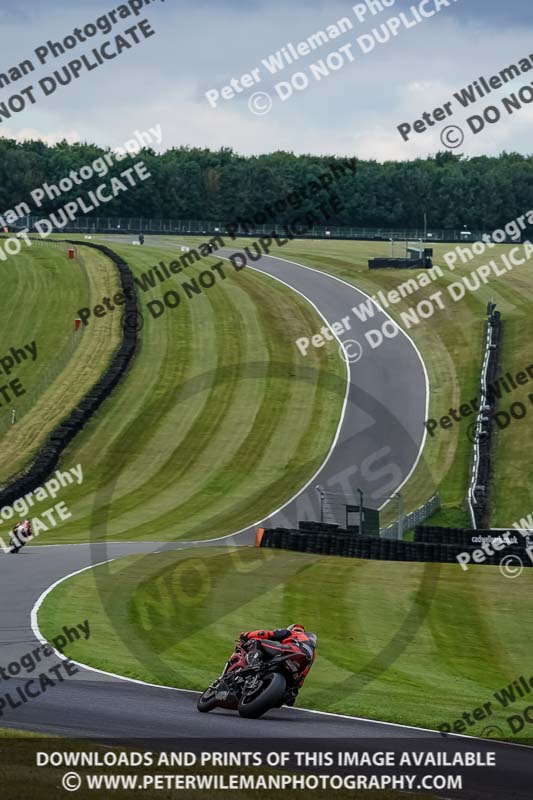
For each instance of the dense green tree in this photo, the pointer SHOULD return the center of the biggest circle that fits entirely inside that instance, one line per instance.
(198, 184)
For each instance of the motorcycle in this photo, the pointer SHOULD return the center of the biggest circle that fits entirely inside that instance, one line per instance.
(254, 681)
(16, 544)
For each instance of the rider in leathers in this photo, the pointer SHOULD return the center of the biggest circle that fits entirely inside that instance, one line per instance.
(292, 639)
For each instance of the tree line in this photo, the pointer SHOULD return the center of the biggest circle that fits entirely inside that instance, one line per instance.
(453, 191)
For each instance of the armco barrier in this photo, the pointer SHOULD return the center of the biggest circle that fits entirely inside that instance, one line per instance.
(412, 519)
(349, 545)
(48, 457)
(478, 492)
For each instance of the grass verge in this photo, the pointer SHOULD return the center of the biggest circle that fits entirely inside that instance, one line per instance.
(216, 424)
(451, 342)
(390, 635)
(68, 363)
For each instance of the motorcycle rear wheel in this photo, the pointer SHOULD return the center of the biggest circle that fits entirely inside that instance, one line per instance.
(268, 698)
(208, 701)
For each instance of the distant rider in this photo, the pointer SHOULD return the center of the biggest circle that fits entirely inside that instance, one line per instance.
(294, 639)
(21, 535)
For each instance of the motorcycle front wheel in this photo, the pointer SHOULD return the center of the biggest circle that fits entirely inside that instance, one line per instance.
(255, 703)
(208, 701)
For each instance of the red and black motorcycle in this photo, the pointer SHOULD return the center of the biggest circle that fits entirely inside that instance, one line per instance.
(254, 681)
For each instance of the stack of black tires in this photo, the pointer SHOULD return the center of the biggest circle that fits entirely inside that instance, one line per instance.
(437, 545)
(47, 458)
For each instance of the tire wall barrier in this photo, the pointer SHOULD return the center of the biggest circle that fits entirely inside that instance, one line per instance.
(350, 545)
(47, 458)
(396, 263)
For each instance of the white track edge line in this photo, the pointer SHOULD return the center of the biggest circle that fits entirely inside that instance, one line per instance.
(37, 633)
(419, 354)
(36, 607)
(380, 309)
(39, 636)
(341, 419)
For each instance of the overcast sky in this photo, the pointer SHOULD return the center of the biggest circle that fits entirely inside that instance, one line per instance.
(201, 45)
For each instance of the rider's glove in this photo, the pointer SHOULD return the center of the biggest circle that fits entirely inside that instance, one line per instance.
(243, 637)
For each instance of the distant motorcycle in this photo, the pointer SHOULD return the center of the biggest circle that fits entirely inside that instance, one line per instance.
(20, 536)
(141, 238)
(253, 681)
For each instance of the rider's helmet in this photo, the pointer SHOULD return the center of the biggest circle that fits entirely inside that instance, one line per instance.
(24, 529)
(296, 628)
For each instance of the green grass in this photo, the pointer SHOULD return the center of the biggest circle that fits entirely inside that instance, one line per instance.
(217, 422)
(390, 635)
(41, 292)
(451, 343)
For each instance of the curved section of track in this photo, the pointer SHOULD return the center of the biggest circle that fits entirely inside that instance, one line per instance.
(381, 434)
(93, 703)
(378, 444)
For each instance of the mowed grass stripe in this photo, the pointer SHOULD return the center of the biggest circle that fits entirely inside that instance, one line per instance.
(301, 459)
(156, 450)
(220, 441)
(232, 433)
(120, 445)
(273, 429)
(51, 290)
(195, 452)
(276, 431)
(382, 652)
(128, 432)
(451, 343)
(187, 445)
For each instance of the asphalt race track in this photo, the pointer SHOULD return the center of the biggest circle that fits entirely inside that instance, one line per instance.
(378, 444)
(382, 430)
(382, 433)
(385, 411)
(94, 704)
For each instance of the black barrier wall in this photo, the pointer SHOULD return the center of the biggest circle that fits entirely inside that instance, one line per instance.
(48, 457)
(396, 263)
(350, 545)
(468, 537)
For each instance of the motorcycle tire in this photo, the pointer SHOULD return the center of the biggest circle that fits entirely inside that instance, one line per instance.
(269, 698)
(207, 702)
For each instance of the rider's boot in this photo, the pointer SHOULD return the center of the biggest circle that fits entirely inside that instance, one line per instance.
(291, 696)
